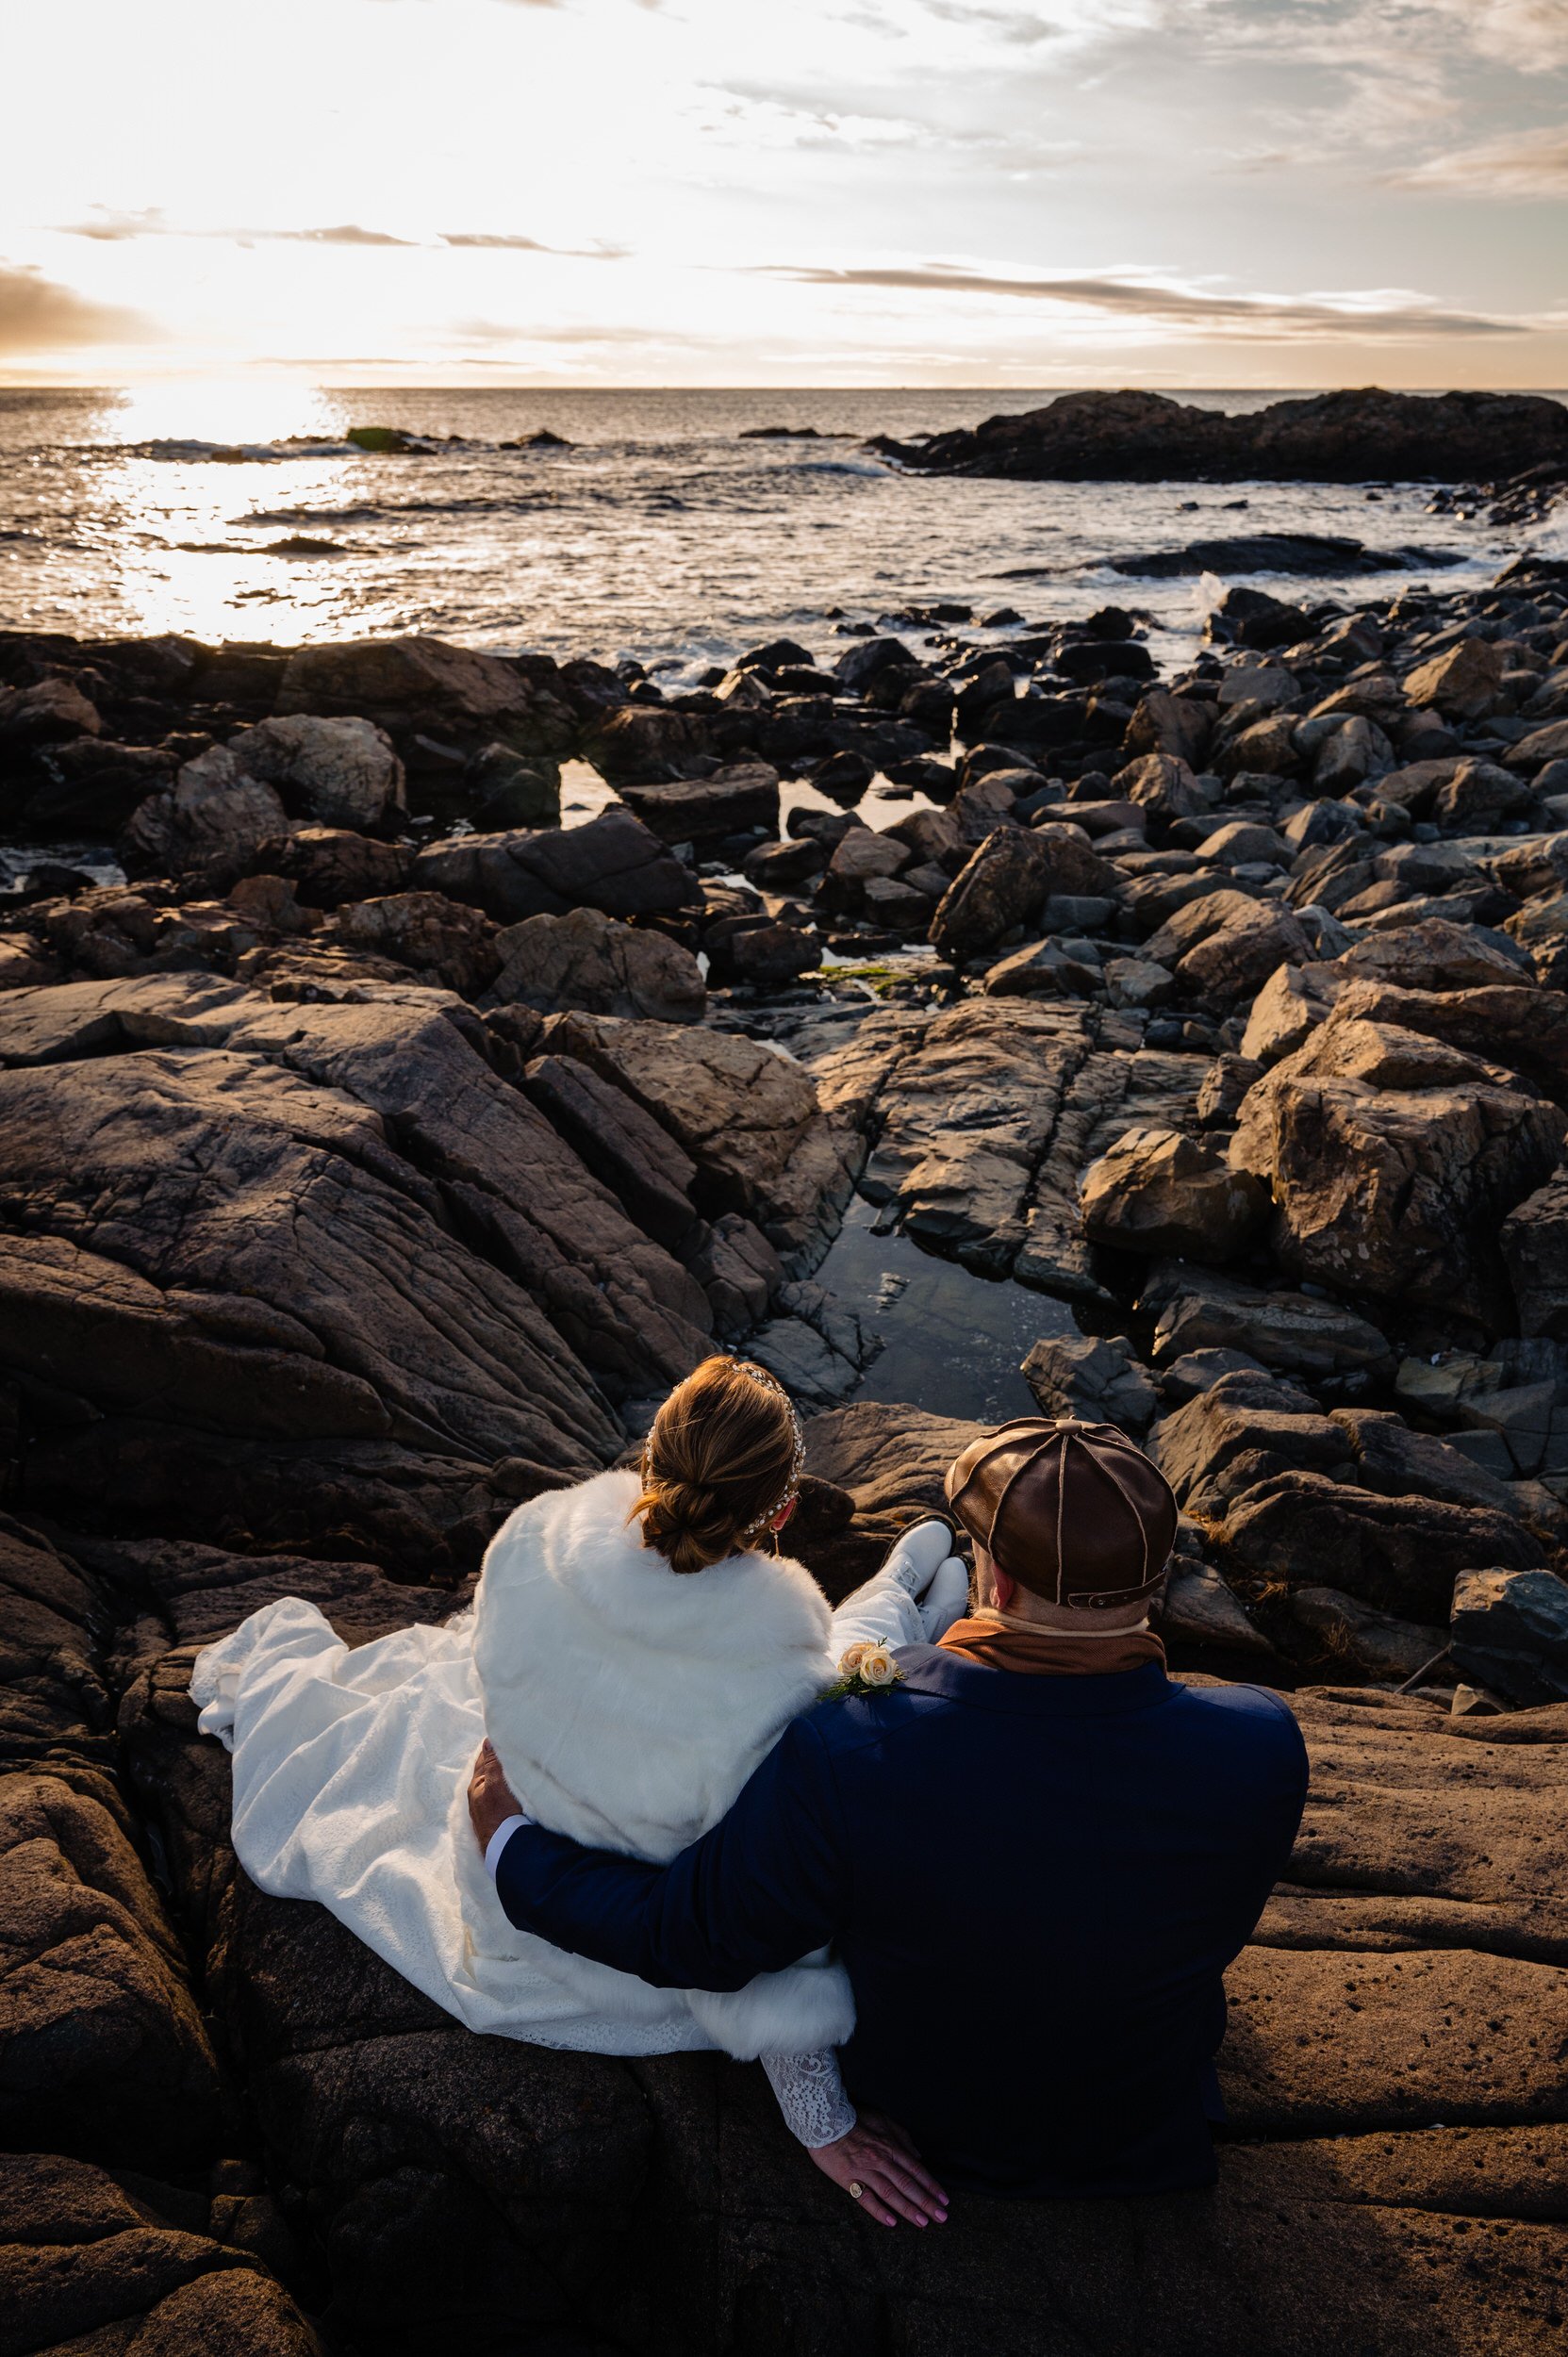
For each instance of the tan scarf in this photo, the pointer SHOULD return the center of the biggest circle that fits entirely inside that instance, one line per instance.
(1003, 1641)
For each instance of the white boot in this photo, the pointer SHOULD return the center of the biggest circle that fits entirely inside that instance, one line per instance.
(917, 1554)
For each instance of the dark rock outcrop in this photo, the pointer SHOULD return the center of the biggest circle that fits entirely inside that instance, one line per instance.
(1327, 438)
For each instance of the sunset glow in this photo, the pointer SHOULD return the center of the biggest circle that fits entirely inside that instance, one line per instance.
(942, 191)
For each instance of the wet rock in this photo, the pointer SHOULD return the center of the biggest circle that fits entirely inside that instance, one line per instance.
(1375, 1643)
(817, 1349)
(705, 812)
(92, 2262)
(211, 821)
(458, 946)
(1510, 1629)
(614, 862)
(587, 960)
(342, 772)
(1093, 1380)
(1164, 1192)
(421, 688)
(1199, 1310)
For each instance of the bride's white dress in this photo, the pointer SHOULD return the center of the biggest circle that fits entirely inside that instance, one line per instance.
(639, 1707)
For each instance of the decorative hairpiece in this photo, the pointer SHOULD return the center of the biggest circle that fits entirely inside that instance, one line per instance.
(766, 1382)
(798, 1459)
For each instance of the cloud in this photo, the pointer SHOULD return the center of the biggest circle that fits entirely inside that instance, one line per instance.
(507, 241)
(1520, 163)
(347, 233)
(38, 315)
(112, 228)
(1307, 318)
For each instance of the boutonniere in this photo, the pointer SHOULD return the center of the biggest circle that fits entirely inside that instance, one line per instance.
(863, 1670)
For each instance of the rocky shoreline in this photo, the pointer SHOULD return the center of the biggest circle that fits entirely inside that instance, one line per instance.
(378, 1152)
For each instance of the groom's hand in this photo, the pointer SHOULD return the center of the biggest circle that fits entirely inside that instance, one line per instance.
(490, 1797)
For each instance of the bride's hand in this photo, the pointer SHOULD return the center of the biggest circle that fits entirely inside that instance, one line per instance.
(878, 2167)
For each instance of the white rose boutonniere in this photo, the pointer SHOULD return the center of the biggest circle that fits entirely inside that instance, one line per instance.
(863, 1670)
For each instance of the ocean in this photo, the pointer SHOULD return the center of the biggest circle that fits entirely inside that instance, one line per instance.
(663, 533)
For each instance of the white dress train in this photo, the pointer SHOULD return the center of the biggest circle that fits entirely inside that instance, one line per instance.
(350, 1765)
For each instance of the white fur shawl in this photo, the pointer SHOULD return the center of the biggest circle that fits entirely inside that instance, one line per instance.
(628, 1705)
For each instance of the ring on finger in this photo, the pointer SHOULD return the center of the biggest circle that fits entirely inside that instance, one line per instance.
(857, 2192)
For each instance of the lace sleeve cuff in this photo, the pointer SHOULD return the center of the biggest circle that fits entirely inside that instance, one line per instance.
(811, 2097)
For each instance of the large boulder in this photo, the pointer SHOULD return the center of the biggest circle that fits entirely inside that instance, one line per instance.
(103, 2051)
(587, 960)
(1392, 1159)
(425, 692)
(1402, 1555)
(210, 821)
(328, 865)
(614, 862)
(343, 772)
(308, 1272)
(1509, 1629)
(1166, 1191)
(1003, 885)
(1199, 1310)
(1462, 681)
(458, 946)
(748, 1118)
(706, 812)
(1092, 1378)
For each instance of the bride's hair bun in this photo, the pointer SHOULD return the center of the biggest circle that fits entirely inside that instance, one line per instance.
(722, 1459)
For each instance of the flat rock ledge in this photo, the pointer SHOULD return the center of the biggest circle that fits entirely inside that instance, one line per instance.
(248, 2116)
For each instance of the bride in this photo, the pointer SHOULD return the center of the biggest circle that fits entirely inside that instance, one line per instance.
(631, 1653)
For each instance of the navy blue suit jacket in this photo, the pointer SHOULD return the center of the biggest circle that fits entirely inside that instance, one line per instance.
(1035, 1884)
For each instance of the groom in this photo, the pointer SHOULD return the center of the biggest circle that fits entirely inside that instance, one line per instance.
(1035, 1854)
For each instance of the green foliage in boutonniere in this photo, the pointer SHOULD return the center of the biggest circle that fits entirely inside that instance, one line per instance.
(863, 1670)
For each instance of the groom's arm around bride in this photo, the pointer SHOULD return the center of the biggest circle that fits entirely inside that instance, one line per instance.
(1034, 1853)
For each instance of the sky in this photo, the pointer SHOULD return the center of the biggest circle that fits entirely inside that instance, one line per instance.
(943, 193)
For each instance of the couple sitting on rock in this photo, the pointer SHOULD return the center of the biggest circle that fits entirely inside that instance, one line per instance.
(964, 1879)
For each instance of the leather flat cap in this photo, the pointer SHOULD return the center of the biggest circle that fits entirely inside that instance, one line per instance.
(1074, 1513)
